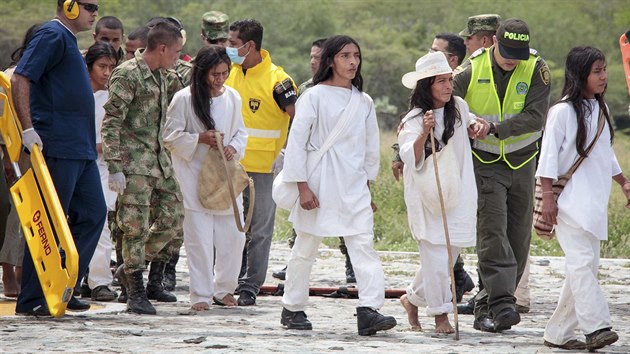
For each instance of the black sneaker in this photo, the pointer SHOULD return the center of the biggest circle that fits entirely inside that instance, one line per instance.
(280, 274)
(77, 305)
(85, 291)
(245, 298)
(295, 320)
(369, 321)
(505, 319)
(600, 338)
(484, 324)
(468, 308)
(103, 293)
(573, 344)
(37, 311)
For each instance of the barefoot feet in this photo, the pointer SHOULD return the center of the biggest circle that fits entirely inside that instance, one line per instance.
(412, 313)
(200, 306)
(442, 325)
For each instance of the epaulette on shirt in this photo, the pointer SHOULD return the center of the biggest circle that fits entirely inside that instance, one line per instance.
(477, 52)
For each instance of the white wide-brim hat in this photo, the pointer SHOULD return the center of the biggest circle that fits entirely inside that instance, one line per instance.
(432, 64)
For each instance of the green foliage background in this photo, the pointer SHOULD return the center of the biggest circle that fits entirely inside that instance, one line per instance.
(392, 34)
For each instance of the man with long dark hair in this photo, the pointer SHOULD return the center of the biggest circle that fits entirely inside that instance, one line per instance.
(332, 154)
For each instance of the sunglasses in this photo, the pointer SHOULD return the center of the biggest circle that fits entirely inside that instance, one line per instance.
(91, 8)
(448, 54)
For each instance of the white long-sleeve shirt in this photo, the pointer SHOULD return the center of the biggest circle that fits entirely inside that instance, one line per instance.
(462, 220)
(100, 98)
(340, 179)
(181, 135)
(584, 201)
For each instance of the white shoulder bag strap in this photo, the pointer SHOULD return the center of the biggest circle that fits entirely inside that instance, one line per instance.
(344, 121)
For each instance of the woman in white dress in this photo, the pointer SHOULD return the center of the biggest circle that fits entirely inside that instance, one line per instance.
(432, 105)
(581, 212)
(101, 59)
(334, 195)
(194, 115)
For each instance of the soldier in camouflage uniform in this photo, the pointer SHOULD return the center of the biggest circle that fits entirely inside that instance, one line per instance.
(150, 209)
(479, 31)
(214, 28)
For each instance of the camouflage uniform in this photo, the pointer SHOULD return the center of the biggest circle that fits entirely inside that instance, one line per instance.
(180, 77)
(214, 25)
(150, 210)
(487, 22)
(305, 86)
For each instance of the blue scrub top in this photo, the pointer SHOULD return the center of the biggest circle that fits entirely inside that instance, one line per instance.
(61, 99)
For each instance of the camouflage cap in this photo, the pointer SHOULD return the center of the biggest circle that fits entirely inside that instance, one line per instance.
(214, 25)
(486, 22)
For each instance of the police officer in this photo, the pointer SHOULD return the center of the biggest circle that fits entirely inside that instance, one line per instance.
(150, 209)
(508, 85)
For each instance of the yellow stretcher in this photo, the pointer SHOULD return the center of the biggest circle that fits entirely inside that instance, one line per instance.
(43, 221)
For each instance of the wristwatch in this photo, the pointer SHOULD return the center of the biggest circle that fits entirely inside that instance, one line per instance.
(493, 130)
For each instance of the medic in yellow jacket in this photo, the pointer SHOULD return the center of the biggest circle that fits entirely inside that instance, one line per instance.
(266, 91)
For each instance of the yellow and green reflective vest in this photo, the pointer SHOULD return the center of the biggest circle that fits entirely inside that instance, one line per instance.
(483, 100)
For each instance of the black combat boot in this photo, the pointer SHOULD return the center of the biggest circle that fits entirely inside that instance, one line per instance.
(295, 320)
(170, 278)
(369, 321)
(137, 301)
(463, 281)
(350, 277)
(155, 288)
(122, 278)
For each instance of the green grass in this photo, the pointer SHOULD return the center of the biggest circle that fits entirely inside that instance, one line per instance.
(392, 233)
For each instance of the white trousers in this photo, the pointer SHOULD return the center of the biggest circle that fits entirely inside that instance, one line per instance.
(522, 292)
(365, 261)
(203, 233)
(100, 273)
(582, 303)
(431, 286)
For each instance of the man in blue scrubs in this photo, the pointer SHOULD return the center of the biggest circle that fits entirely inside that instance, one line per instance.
(54, 101)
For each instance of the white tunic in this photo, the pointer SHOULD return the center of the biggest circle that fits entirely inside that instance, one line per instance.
(462, 220)
(340, 180)
(100, 98)
(584, 201)
(181, 135)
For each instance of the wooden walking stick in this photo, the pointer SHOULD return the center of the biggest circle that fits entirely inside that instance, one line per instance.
(448, 239)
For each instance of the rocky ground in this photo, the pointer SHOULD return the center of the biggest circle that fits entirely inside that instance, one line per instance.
(107, 328)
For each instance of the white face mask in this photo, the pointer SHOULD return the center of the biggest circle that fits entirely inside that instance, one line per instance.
(233, 54)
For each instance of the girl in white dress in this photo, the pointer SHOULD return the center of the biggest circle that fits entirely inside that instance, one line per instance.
(101, 59)
(194, 115)
(581, 212)
(432, 105)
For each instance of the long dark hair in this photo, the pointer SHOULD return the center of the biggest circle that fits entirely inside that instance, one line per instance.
(99, 50)
(331, 47)
(17, 53)
(206, 59)
(422, 98)
(577, 69)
